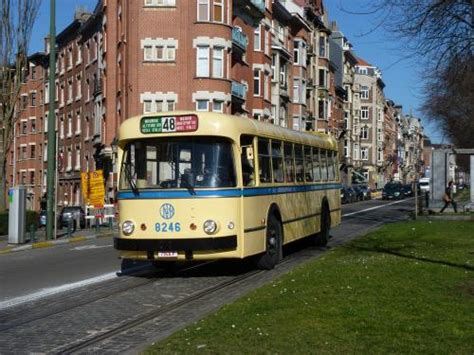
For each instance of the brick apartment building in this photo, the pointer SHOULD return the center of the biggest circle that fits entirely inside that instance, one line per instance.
(263, 59)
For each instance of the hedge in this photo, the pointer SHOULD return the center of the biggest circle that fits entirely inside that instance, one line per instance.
(32, 217)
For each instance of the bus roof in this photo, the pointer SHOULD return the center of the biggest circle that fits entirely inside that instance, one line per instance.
(222, 125)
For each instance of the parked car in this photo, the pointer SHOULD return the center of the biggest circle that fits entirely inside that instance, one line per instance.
(348, 194)
(359, 194)
(407, 190)
(392, 191)
(74, 213)
(366, 192)
(42, 219)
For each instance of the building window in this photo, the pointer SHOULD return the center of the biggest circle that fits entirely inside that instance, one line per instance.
(322, 78)
(364, 112)
(32, 151)
(217, 106)
(296, 52)
(379, 155)
(78, 87)
(78, 158)
(273, 68)
(296, 90)
(203, 10)
(322, 46)
(266, 86)
(257, 39)
(364, 153)
(283, 76)
(24, 127)
(346, 148)
(256, 83)
(203, 61)
(202, 105)
(322, 109)
(218, 62)
(363, 71)
(24, 153)
(69, 91)
(69, 125)
(170, 105)
(364, 132)
(78, 122)
(33, 99)
(364, 92)
(218, 11)
(147, 106)
(69, 160)
(148, 50)
(33, 125)
(160, 3)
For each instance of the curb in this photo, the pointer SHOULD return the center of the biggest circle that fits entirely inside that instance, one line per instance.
(52, 243)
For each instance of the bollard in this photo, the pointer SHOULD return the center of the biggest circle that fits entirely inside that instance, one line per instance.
(111, 224)
(69, 228)
(427, 199)
(97, 225)
(32, 233)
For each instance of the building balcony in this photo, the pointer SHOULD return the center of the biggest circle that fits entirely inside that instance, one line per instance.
(238, 90)
(254, 8)
(239, 39)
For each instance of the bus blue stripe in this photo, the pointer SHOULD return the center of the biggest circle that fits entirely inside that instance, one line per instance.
(246, 192)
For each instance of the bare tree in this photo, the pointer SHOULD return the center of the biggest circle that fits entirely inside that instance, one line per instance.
(440, 35)
(450, 101)
(17, 18)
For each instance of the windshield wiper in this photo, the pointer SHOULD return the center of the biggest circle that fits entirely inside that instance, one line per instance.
(128, 176)
(185, 182)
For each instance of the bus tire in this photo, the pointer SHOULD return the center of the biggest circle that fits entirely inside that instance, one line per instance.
(274, 248)
(321, 239)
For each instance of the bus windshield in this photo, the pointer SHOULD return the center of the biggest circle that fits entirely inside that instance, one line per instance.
(173, 163)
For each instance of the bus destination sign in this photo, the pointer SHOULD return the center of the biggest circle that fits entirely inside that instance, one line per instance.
(168, 124)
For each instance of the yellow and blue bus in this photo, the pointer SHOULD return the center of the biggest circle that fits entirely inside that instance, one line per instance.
(202, 186)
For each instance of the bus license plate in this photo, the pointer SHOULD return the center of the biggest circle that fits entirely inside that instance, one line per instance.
(167, 254)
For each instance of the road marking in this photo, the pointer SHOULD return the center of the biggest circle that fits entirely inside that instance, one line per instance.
(376, 207)
(88, 247)
(55, 290)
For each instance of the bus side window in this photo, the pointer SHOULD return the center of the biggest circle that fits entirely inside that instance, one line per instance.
(316, 165)
(308, 164)
(247, 159)
(331, 171)
(277, 161)
(299, 163)
(265, 172)
(289, 163)
(324, 167)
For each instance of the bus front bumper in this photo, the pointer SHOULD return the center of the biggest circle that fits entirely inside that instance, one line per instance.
(179, 245)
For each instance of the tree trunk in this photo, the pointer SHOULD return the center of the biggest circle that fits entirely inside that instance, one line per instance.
(3, 184)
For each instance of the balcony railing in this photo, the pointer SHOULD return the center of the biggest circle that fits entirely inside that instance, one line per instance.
(239, 38)
(239, 90)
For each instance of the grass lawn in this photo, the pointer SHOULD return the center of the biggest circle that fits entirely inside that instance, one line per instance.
(406, 288)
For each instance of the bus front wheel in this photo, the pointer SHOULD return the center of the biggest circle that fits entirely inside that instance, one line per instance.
(274, 249)
(322, 238)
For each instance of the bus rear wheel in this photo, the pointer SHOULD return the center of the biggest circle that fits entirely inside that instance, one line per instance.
(321, 239)
(274, 249)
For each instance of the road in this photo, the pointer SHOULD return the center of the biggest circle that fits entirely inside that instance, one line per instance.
(35, 273)
(82, 283)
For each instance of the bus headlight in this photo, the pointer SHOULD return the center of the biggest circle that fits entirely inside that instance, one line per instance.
(210, 226)
(128, 227)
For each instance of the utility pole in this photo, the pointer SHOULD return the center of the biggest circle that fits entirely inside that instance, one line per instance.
(51, 204)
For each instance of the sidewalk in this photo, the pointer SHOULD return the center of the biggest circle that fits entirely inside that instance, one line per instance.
(61, 238)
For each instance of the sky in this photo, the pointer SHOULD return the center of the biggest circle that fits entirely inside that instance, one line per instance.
(404, 83)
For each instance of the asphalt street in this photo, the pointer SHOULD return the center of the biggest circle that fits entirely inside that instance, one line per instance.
(34, 274)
